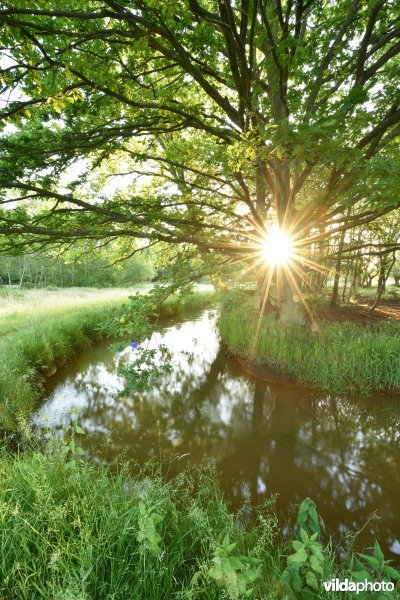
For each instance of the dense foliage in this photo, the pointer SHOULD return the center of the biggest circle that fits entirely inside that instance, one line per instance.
(43, 270)
(194, 123)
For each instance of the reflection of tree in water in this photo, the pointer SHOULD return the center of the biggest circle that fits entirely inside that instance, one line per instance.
(341, 452)
(199, 419)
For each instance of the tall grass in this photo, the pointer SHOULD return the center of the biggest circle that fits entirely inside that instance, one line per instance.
(341, 357)
(18, 307)
(82, 533)
(74, 533)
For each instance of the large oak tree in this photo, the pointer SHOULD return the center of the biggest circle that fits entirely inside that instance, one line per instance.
(220, 114)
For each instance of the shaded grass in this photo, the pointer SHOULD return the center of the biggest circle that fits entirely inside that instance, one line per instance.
(392, 292)
(341, 357)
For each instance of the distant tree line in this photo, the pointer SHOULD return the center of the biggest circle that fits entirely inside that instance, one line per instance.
(40, 271)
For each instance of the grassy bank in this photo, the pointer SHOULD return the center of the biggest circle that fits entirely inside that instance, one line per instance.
(69, 533)
(20, 307)
(82, 534)
(341, 357)
(42, 329)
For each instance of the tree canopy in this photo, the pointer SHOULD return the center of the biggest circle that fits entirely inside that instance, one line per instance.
(195, 123)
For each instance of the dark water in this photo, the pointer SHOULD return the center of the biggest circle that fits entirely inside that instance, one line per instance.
(342, 452)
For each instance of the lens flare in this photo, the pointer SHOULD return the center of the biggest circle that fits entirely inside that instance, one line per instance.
(277, 247)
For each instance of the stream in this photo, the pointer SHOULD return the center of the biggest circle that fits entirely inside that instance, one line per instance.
(264, 439)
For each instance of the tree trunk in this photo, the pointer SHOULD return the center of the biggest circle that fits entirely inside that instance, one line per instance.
(345, 283)
(290, 309)
(335, 291)
(368, 280)
(382, 281)
(22, 267)
(354, 281)
(9, 271)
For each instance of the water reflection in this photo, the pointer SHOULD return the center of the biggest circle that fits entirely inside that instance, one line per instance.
(342, 452)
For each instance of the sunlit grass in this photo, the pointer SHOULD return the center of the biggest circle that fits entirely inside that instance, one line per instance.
(340, 357)
(20, 306)
(74, 534)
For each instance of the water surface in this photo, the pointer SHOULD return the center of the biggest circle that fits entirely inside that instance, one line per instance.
(263, 439)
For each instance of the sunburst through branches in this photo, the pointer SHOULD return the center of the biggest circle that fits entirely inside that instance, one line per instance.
(282, 259)
(277, 247)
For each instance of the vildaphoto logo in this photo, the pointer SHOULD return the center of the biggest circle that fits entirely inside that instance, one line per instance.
(346, 585)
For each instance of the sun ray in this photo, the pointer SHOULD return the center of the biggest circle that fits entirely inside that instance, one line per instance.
(261, 315)
(310, 263)
(301, 296)
(279, 256)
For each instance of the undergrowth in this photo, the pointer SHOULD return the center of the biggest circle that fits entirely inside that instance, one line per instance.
(82, 533)
(340, 357)
(70, 529)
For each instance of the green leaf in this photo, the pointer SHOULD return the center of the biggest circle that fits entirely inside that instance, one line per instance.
(316, 564)
(299, 557)
(371, 560)
(235, 563)
(377, 553)
(312, 580)
(304, 536)
(297, 545)
(361, 575)
(391, 572)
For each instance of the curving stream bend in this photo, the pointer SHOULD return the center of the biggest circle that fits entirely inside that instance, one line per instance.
(342, 452)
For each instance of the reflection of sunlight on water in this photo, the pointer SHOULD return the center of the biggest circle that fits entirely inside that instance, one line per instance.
(76, 393)
(194, 346)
